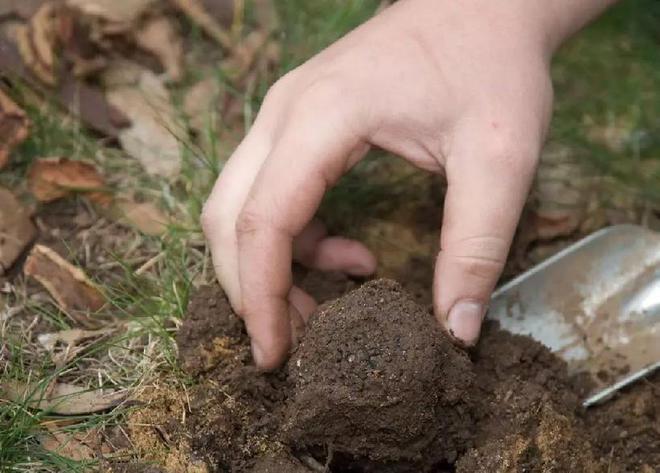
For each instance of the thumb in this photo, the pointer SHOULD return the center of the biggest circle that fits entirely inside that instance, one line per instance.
(485, 196)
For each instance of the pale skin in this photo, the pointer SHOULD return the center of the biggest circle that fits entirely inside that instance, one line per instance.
(455, 87)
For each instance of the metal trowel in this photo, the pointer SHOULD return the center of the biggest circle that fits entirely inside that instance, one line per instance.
(596, 304)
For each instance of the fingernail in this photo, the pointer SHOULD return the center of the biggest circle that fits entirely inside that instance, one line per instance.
(464, 321)
(257, 354)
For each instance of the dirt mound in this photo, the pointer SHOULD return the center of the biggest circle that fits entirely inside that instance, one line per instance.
(375, 386)
(377, 382)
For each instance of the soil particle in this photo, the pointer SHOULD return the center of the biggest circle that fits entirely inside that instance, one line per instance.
(377, 381)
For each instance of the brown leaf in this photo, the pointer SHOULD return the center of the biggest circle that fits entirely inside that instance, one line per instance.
(71, 339)
(38, 41)
(85, 101)
(62, 398)
(114, 11)
(53, 178)
(91, 106)
(198, 14)
(29, 57)
(160, 37)
(16, 229)
(153, 137)
(14, 127)
(67, 444)
(201, 101)
(144, 216)
(68, 284)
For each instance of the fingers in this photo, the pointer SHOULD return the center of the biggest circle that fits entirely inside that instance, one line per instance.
(315, 250)
(485, 196)
(306, 160)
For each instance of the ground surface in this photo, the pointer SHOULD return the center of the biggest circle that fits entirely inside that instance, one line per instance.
(155, 406)
(357, 398)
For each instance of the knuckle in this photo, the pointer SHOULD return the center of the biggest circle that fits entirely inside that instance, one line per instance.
(509, 149)
(482, 256)
(248, 222)
(280, 89)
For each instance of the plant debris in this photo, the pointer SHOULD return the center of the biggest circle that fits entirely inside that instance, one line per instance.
(50, 179)
(16, 229)
(153, 137)
(68, 284)
(14, 127)
(62, 398)
(67, 444)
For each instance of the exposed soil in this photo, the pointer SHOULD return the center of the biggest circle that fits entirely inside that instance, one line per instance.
(376, 386)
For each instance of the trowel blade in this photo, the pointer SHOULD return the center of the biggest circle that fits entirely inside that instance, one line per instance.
(595, 304)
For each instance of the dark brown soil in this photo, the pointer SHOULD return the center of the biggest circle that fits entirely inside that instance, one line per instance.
(377, 382)
(375, 386)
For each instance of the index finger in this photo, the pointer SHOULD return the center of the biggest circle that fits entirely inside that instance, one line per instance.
(284, 197)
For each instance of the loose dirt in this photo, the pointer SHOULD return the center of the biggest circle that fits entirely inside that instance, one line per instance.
(375, 386)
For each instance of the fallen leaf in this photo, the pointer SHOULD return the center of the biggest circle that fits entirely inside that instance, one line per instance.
(201, 102)
(68, 284)
(199, 15)
(144, 216)
(152, 137)
(244, 55)
(82, 100)
(160, 37)
(62, 398)
(16, 229)
(89, 103)
(115, 11)
(43, 28)
(50, 179)
(14, 127)
(70, 337)
(72, 340)
(66, 444)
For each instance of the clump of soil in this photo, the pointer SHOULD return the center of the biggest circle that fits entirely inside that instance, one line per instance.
(377, 382)
(375, 386)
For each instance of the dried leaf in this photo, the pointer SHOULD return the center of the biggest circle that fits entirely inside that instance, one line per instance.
(115, 11)
(62, 398)
(244, 55)
(38, 42)
(201, 101)
(16, 229)
(153, 135)
(43, 28)
(30, 59)
(144, 216)
(198, 14)
(68, 284)
(67, 444)
(14, 127)
(91, 106)
(160, 37)
(53, 178)
(70, 337)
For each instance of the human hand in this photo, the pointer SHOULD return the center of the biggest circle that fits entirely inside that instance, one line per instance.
(460, 88)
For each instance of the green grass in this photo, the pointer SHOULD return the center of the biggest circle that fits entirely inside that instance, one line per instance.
(608, 76)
